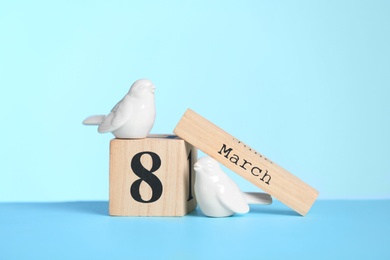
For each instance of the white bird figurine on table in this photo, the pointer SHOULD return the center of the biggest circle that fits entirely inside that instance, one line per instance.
(217, 195)
(133, 116)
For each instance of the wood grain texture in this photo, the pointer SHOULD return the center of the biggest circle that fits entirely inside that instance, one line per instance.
(176, 199)
(246, 162)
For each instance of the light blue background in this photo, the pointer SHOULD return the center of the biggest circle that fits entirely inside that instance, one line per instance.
(306, 83)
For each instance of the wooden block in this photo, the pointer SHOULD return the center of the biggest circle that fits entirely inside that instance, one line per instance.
(246, 162)
(152, 176)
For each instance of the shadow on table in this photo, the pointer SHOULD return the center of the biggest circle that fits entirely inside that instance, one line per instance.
(86, 207)
(255, 210)
(101, 208)
(267, 210)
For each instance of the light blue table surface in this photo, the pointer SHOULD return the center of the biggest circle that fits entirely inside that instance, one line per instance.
(83, 230)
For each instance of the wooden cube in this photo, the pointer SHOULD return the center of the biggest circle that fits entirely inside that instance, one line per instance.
(152, 176)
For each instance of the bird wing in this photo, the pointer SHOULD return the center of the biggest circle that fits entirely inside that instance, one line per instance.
(233, 199)
(117, 117)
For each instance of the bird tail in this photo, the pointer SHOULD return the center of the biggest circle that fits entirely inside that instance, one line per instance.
(94, 120)
(257, 198)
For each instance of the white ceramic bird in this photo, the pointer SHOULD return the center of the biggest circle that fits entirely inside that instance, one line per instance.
(133, 116)
(217, 195)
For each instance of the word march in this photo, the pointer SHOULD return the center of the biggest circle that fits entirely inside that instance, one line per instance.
(244, 164)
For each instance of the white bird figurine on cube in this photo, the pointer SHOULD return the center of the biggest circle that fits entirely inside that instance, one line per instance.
(133, 116)
(217, 195)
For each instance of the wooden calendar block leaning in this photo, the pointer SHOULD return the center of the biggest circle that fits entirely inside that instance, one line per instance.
(152, 176)
(246, 162)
